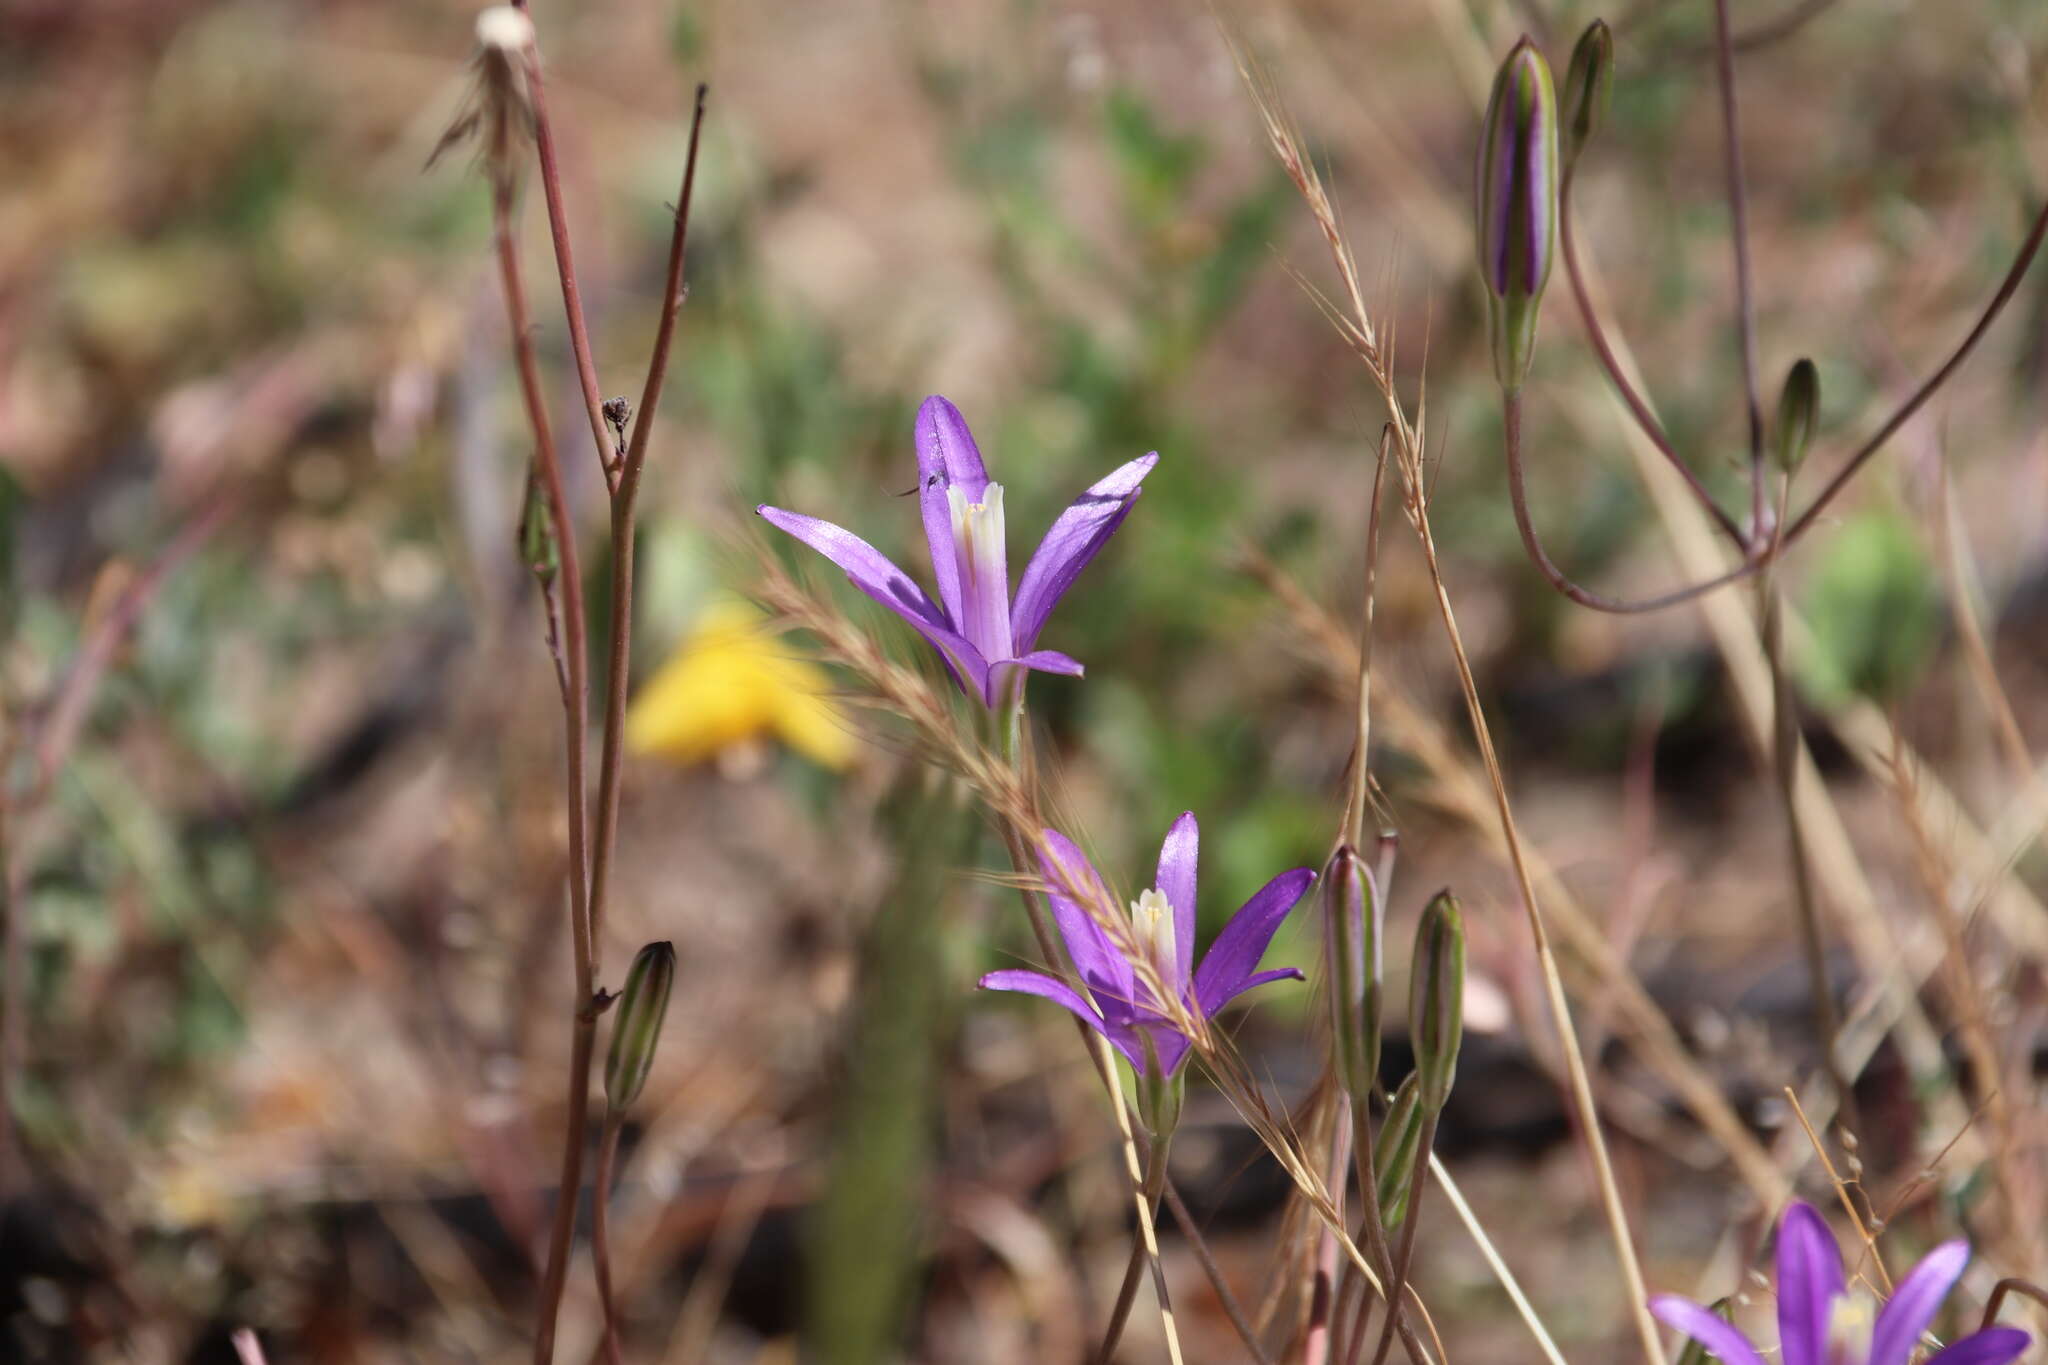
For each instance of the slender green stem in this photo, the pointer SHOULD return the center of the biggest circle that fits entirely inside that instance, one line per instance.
(600, 1238)
(1417, 1182)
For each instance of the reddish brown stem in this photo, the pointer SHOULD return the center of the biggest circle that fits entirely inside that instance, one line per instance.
(625, 495)
(1511, 418)
(1745, 289)
(575, 725)
(565, 264)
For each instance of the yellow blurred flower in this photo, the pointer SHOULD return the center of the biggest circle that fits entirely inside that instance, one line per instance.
(729, 683)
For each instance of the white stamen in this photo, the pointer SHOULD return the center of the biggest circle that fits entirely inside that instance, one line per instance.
(504, 29)
(1851, 1319)
(1152, 927)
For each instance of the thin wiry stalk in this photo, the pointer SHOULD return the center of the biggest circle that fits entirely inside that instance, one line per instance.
(1286, 145)
(1143, 1251)
(1398, 1270)
(2006, 289)
(575, 725)
(1745, 290)
(1959, 569)
(1491, 1254)
(1640, 410)
(1785, 751)
(625, 498)
(1200, 1246)
(565, 261)
(1532, 543)
(600, 1241)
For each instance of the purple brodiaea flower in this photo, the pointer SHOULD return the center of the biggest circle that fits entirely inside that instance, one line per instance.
(984, 636)
(1821, 1323)
(1119, 1004)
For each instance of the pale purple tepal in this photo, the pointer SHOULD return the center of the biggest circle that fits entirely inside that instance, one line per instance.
(1119, 1004)
(1821, 1323)
(986, 638)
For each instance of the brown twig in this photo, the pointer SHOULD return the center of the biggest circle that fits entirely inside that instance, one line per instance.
(1745, 290)
(625, 497)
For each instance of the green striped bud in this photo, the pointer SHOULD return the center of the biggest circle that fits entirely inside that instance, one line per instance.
(1351, 947)
(1516, 201)
(1588, 89)
(636, 1023)
(1695, 1353)
(1798, 414)
(1436, 997)
(537, 530)
(1394, 1150)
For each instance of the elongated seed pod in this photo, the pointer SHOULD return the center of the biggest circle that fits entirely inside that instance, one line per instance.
(1516, 201)
(1436, 997)
(1588, 89)
(636, 1023)
(1394, 1149)
(1351, 947)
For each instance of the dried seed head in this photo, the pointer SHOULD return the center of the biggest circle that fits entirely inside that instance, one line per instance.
(1394, 1150)
(1516, 201)
(636, 1023)
(499, 110)
(1588, 88)
(1436, 997)
(1798, 414)
(1351, 952)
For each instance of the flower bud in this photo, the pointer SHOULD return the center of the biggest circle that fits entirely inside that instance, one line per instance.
(636, 1023)
(1516, 198)
(1695, 1353)
(1798, 414)
(1394, 1150)
(1588, 88)
(1351, 947)
(1436, 997)
(537, 533)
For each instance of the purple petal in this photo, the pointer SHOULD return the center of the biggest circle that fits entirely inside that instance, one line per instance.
(1255, 979)
(1001, 673)
(1170, 1045)
(1060, 993)
(1915, 1302)
(1103, 969)
(946, 455)
(1176, 881)
(1704, 1326)
(874, 574)
(1235, 954)
(1809, 1281)
(1076, 536)
(1992, 1346)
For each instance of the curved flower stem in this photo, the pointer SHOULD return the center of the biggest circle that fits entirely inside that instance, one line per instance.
(600, 1242)
(1511, 422)
(2006, 289)
(1638, 408)
(1416, 1182)
(2012, 1284)
(1745, 290)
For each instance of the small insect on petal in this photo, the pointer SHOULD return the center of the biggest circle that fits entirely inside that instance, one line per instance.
(636, 1023)
(1516, 203)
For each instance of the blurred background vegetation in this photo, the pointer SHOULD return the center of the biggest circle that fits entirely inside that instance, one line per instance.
(288, 909)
